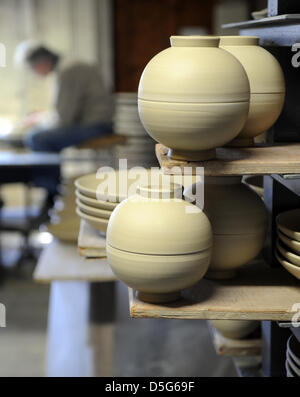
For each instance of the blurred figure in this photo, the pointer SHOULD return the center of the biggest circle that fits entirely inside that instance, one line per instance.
(83, 109)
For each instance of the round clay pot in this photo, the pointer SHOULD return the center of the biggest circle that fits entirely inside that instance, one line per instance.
(156, 245)
(193, 97)
(235, 329)
(267, 85)
(239, 222)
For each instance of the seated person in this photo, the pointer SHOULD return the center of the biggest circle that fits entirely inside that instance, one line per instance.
(82, 106)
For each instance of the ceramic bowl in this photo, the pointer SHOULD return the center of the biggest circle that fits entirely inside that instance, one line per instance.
(97, 223)
(159, 226)
(186, 128)
(289, 223)
(289, 256)
(158, 278)
(293, 350)
(256, 183)
(193, 97)
(104, 205)
(98, 213)
(294, 245)
(294, 270)
(267, 85)
(235, 329)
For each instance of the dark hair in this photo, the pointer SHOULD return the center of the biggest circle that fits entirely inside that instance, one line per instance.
(42, 53)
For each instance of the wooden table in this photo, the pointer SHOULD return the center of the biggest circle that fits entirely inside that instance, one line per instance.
(81, 325)
(61, 262)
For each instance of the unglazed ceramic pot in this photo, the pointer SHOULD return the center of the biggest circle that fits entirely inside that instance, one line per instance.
(239, 222)
(235, 329)
(156, 246)
(267, 85)
(193, 97)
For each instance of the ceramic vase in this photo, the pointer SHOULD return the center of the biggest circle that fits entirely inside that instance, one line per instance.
(235, 329)
(267, 85)
(193, 97)
(239, 222)
(156, 245)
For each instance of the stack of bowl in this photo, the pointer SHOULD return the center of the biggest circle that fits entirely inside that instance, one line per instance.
(292, 363)
(288, 243)
(139, 147)
(97, 195)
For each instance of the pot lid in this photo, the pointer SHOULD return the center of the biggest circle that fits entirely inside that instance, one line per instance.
(159, 226)
(194, 70)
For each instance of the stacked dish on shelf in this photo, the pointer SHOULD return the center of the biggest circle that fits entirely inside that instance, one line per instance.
(288, 242)
(292, 362)
(98, 194)
(139, 147)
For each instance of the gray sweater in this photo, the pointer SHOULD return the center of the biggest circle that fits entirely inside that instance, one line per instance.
(80, 96)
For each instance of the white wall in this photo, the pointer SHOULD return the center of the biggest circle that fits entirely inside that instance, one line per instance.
(80, 29)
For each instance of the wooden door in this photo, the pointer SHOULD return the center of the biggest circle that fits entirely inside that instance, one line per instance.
(142, 29)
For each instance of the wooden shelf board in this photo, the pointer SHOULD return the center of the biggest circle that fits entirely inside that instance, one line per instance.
(234, 347)
(91, 243)
(259, 292)
(275, 20)
(61, 262)
(258, 160)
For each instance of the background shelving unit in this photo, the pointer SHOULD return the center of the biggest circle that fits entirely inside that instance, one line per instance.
(269, 292)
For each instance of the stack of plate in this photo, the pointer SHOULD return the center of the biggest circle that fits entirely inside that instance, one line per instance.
(97, 195)
(140, 147)
(126, 120)
(288, 243)
(292, 363)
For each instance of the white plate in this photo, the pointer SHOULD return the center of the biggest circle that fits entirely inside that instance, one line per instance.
(93, 211)
(97, 223)
(289, 223)
(107, 187)
(294, 270)
(289, 256)
(105, 205)
(293, 244)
